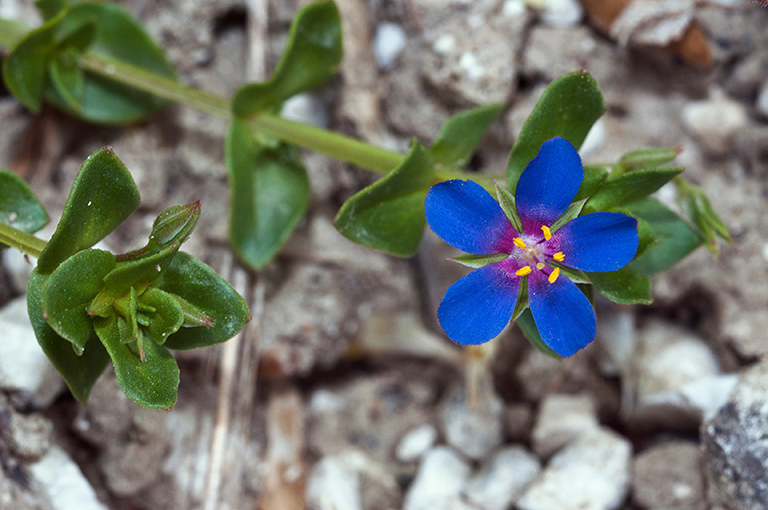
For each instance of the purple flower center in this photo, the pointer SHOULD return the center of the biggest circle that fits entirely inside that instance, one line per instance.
(533, 251)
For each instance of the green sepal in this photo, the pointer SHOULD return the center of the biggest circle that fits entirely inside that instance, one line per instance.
(569, 107)
(572, 212)
(703, 216)
(312, 56)
(475, 261)
(507, 202)
(522, 302)
(103, 195)
(269, 194)
(201, 287)
(388, 215)
(79, 372)
(594, 177)
(676, 239)
(152, 383)
(193, 316)
(19, 207)
(167, 315)
(460, 135)
(69, 291)
(630, 187)
(50, 8)
(647, 157)
(625, 286)
(531, 332)
(575, 275)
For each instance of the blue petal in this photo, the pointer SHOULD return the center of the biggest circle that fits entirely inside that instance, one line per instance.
(601, 241)
(467, 217)
(476, 308)
(563, 314)
(548, 184)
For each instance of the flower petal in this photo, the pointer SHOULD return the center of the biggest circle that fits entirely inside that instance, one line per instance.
(467, 217)
(548, 184)
(601, 241)
(563, 314)
(477, 307)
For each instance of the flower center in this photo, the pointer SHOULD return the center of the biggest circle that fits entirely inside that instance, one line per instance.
(532, 250)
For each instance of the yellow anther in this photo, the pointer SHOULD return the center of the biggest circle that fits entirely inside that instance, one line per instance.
(547, 232)
(554, 275)
(518, 242)
(559, 256)
(540, 266)
(523, 271)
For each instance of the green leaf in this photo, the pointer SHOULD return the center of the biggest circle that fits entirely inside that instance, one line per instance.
(164, 313)
(269, 194)
(647, 235)
(69, 292)
(50, 8)
(507, 202)
(311, 57)
(461, 134)
(676, 238)
(67, 79)
(625, 286)
(594, 177)
(388, 215)
(25, 66)
(152, 383)
(475, 261)
(119, 36)
(102, 196)
(79, 372)
(19, 206)
(569, 107)
(201, 287)
(630, 187)
(647, 157)
(531, 332)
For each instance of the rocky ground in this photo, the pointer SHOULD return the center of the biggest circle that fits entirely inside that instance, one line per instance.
(342, 394)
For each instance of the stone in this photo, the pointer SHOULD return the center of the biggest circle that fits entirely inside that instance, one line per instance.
(675, 372)
(439, 482)
(63, 483)
(388, 43)
(503, 478)
(591, 473)
(561, 13)
(30, 436)
(24, 367)
(306, 108)
(715, 122)
(762, 101)
(735, 449)
(561, 419)
(416, 442)
(669, 476)
(473, 431)
(333, 485)
(518, 419)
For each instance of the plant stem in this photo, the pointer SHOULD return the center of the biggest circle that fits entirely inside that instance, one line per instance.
(22, 241)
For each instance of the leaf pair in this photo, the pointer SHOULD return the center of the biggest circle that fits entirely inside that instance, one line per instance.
(45, 64)
(269, 185)
(88, 306)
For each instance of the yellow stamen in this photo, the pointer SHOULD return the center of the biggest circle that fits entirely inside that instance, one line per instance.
(559, 256)
(523, 271)
(518, 242)
(554, 275)
(540, 266)
(547, 232)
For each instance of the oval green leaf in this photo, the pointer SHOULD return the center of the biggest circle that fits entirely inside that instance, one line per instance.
(199, 285)
(19, 207)
(630, 187)
(269, 193)
(625, 286)
(461, 134)
(388, 215)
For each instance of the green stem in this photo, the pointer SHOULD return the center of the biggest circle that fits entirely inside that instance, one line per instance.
(22, 241)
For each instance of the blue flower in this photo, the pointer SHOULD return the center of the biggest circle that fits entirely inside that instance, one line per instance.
(477, 307)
